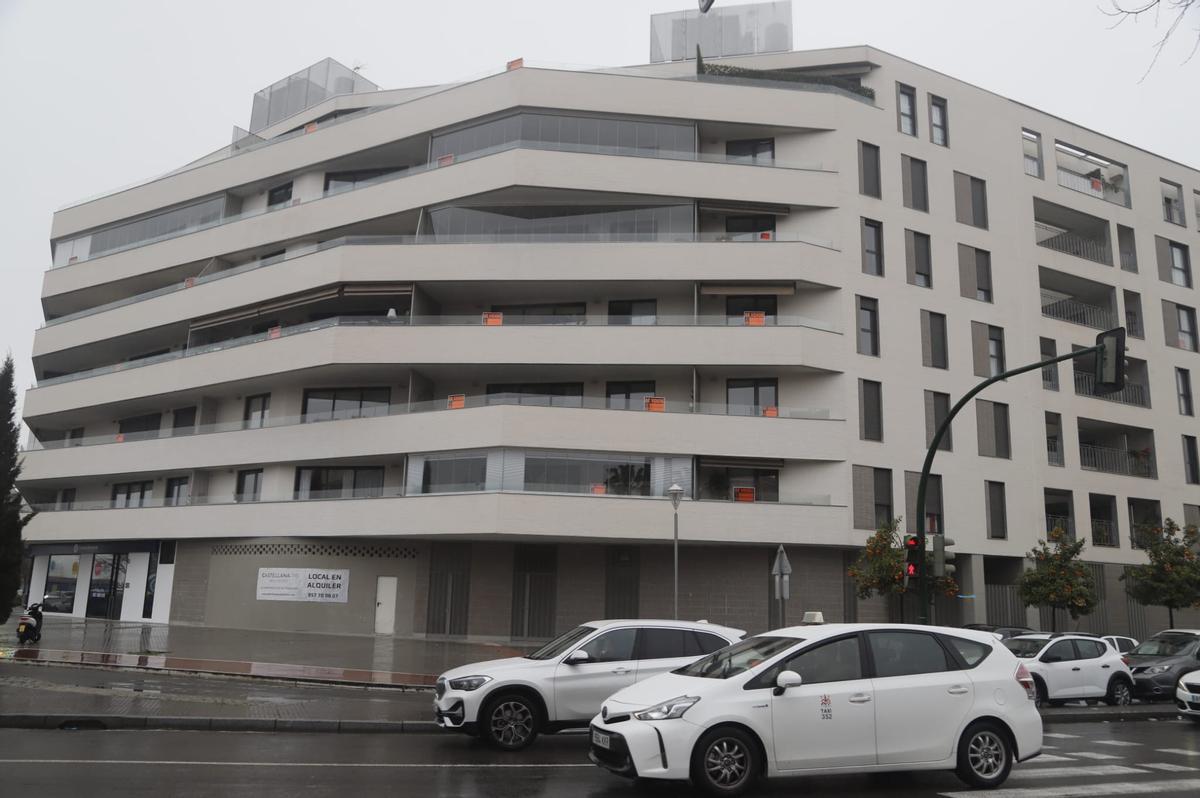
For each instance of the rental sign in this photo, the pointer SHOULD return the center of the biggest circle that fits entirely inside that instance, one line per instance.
(303, 584)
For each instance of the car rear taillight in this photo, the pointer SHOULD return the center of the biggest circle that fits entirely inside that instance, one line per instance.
(1026, 680)
(1126, 661)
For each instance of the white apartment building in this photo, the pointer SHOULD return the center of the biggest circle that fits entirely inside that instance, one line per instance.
(425, 361)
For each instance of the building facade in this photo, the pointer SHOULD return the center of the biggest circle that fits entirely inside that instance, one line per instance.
(428, 361)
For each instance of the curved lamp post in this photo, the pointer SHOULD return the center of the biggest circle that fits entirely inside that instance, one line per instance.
(676, 494)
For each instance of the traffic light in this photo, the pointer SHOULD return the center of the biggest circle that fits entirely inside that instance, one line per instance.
(943, 559)
(1110, 361)
(705, 5)
(912, 558)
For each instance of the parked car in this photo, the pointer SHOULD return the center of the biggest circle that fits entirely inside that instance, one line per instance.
(1066, 667)
(1121, 643)
(1187, 695)
(508, 702)
(1003, 632)
(822, 699)
(1158, 662)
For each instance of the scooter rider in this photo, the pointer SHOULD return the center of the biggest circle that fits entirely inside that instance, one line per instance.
(29, 625)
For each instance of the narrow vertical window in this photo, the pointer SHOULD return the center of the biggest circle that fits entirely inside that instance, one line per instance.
(869, 182)
(870, 403)
(872, 247)
(1183, 387)
(906, 104)
(868, 326)
(939, 121)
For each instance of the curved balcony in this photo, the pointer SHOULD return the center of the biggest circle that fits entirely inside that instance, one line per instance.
(376, 259)
(527, 515)
(495, 420)
(530, 164)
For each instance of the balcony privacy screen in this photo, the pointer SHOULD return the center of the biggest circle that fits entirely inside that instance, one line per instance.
(304, 89)
(733, 30)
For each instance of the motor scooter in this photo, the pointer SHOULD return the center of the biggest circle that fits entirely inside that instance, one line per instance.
(29, 625)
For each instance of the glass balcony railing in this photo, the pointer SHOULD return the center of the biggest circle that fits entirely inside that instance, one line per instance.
(448, 161)
(433, 321)
(1056, 306)
(455, 402)
(1059, 240)
(1131, 394)
(1117, 461)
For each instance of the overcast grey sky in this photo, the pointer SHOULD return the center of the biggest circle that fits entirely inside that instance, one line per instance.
(101, 94)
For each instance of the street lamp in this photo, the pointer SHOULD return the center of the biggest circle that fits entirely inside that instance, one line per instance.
(676, 494)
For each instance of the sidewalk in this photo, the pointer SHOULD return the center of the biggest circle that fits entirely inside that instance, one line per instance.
(347, 659)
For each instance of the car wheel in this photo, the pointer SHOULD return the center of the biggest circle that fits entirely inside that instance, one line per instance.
(984, 755)
(1040, 697)
(725, 762)
(1119, 694)
(509, 722)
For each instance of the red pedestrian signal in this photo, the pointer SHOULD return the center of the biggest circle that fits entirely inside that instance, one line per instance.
(912, 558)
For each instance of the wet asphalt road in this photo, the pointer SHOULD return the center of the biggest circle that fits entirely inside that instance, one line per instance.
(1093, 760)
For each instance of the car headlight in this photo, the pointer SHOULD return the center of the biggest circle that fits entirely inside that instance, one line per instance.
(668, 709)
(469, 683)
(1158, 669)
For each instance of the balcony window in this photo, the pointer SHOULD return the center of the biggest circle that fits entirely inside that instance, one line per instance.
(1144, 514)
(1054, 447)
(325, 404)
(1072, 232)
(906, 106)
(456, 472)
(868, 326)
(1127, 247)
(1172, 202)
(1075, 300)
(1181, 265)
(257, 411)
(132, 494)
(613, 475)
(752, 151)
(124, 235)
(140, 427)
(1059, 508)
(983, 275)
(249, 485)
(1117, 449)
(1104, 520)
(872, 247)
(563, 222)
(1183, 389)
(736, 308)
(869, 182)
(178, 492)
(337, 182)
(747, 397)
(538, 394)
(627, 395)
(1191, 462)
(730, 483)
(1049, 349)
(1031, 145)
(1185, 325)
(1089, 173)
(183, 421)
(919, 259)
(1133, 314)
(939, 121)
(995, 351)
(65, 499)
(280, 195)
(636, 312)
(543, 313)
(338, 482)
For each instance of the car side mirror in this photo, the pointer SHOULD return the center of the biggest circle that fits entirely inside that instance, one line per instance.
(787, 679)
(578, 657)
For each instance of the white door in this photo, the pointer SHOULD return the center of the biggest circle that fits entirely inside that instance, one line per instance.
(829, 720)
(581, 687)
(914, 680)
(1060, 670)
(385, 605)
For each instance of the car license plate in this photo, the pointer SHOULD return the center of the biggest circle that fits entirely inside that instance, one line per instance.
(601, 739)
(21, 628)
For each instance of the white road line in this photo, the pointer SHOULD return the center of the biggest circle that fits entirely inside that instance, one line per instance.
(1091, 755)
(1060, 736)
(1169, 767)
(1119, 743)
(1083, 770)
(184, 762)
(1086, 790)
(1178, 751)
(1050, 758)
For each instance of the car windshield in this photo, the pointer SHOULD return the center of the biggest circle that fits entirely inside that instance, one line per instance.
(1024, 648)
(738, 658)
(1165, 646)
(561, 643)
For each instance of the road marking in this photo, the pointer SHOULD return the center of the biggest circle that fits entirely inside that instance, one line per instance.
(1169, 767)
(1091, 755)
(1050, 758)
(1178, 751)
(1060, 735)
(1122, 743)
(185, 762)
(1085, 790)
(1085, 770)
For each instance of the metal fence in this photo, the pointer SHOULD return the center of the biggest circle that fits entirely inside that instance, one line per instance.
(1104, 533)
(1054, 452)
(1004, 606)
(1116, 461)
(1076, 312)
(1093, 249)
(1131, 394)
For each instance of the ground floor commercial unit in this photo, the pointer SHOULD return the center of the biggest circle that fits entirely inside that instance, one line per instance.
(506, 590)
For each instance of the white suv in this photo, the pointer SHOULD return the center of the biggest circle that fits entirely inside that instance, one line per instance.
(1187, 695)
(1067, 667)
(827, 699)
(508, 702)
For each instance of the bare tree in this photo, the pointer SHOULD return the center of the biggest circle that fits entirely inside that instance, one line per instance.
(1175, 11)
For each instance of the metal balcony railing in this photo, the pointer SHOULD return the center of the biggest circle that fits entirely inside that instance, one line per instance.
(1131, 394)
(1133, 324)
(1129, 260)
(1064, 522)
(1050, 377)
(1117, 461)
(1033, 166)
(1076, 312)
(1054, 452)
(1092, 185)
(1104, 533)
(1093, 249)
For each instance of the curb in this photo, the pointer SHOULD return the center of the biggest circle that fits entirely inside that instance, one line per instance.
(98, 722)
(1081, 715)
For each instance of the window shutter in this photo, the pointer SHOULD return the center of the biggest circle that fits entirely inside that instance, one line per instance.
(968, 283)
(906, 180)
(979, 349)
(1171, 323)
(926, 340)
(963, 211)
(910, 257)
(985, 422)
(864, 496)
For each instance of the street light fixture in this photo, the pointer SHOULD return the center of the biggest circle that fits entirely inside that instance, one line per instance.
(676, 494)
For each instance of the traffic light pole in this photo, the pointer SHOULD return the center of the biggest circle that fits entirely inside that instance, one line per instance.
(923, 609)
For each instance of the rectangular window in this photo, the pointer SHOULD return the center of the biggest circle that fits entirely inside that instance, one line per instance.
(1172, 201)
(62, 576)
(992, 424)
(338, 482)
(872, 247)
(140, 427)
(970, 200)
(1187, 327)
(1002, 435)
(178, 492)
(132, 494)
(326, 404)
(997, 516)
(915, 182)
(937, 410)
(919, 259)
(249, 485)
(1031, 143)
(869, 182)
(748, 397)
(1049, 349)
(597, 474)
(66, 499)
(730, 483)
(995, 350)
(751, 151)
(934, 344)
(1183, 387)
(280, 195)
(1191, 463)
(257, 411)
(868, 326)
(1181, 265)
(1133, 314)
(627, 395)
(870, 410)
(636, 312)
(454, 473)
(882, 479)
(183, 421)
(906, 107)
(939, 121)
(983, 275)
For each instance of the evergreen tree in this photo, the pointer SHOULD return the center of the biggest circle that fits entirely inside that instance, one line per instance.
(12, 520)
